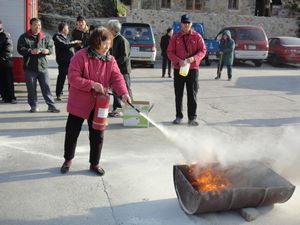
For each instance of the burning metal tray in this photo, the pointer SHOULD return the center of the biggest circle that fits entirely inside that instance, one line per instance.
(253, 184)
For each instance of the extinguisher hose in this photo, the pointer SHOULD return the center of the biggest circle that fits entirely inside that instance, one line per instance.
(132, 106)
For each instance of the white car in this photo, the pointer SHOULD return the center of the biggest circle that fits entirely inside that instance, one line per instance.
(142, 42)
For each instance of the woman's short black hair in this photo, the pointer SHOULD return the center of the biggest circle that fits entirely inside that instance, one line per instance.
(80, 18)
(169, 29)
(99, 35)
(61, 26)
(34, 20)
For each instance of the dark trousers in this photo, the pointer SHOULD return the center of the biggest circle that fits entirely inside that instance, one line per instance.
(6, 82)
(165, 62)
(31, 82)
(192, 86)
(117, 101)
(73, 128)
(229, 70)
(61, 78)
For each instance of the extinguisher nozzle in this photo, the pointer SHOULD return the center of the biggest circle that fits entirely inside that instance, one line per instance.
(133, 107)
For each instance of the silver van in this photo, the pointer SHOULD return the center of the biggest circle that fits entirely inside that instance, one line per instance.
(142, 42)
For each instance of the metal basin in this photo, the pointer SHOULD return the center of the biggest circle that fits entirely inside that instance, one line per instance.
(253, 184)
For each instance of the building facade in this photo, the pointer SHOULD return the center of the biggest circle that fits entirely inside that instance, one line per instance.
(214, 14)
(268, 8)
(242, 7)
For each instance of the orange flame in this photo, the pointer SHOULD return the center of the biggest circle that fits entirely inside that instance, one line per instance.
(208, 178)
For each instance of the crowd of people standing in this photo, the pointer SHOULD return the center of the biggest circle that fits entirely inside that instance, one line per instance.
(96, 59)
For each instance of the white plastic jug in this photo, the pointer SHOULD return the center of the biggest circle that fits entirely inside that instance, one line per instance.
(184, 70)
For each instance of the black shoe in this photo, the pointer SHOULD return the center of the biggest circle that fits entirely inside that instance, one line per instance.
(97, 169)
(114, 113)
(58, 98)
(65, 167)
(229, 79)
(177, 121)
(217, 78)
(53, 110)
(193, 123)
(12, 101)
(34, 109)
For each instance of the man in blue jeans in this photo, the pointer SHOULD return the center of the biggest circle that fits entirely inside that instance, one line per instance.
(34, 46)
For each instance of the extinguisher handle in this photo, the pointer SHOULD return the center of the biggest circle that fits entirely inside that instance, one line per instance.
(131, 105)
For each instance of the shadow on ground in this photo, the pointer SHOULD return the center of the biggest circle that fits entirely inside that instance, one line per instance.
(159, 212)
(261, 122)
(288, 84)
(37, 174)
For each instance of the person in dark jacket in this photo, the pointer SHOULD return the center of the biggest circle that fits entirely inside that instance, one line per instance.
(227, 46)
(164, 42)
(81, 33)
(6, 76)
(34, 46)
(64, 49)
(121, 51)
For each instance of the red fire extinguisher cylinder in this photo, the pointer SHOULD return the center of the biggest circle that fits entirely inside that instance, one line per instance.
(101, 112)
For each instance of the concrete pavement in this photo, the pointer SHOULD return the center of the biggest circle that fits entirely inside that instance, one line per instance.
(254, 116)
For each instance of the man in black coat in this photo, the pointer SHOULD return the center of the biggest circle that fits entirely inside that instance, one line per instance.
(64, 49)
(35, 46)
(164, 42)
(6, 76)
(121, 52)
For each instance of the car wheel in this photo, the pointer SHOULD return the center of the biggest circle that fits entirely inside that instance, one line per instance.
(274, 61)
(257, 63)
(236, 62)
(152, 65)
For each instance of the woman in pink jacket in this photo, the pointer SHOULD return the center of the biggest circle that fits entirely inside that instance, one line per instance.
(92, 71)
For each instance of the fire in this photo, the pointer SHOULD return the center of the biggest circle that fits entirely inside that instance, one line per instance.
(208, 178)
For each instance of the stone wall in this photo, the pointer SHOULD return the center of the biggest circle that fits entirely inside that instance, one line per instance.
(72, 8)
(246, 7)
(213, 23)
(51, 21)
(162, 19)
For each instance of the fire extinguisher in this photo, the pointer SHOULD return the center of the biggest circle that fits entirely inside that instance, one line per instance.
(101, 112)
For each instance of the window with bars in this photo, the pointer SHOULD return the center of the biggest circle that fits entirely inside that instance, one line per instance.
(195, 4)
(233, 4)
(126, 2)
(165, 3)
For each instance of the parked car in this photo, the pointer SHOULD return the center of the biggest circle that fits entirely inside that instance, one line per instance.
(142, 42)
(212, 46)
(251, 43)
(284, 50)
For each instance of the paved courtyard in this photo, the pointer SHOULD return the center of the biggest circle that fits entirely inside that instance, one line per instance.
(255, 116)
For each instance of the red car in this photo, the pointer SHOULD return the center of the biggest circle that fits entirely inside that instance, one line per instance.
(251, 43)
(284, 50)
